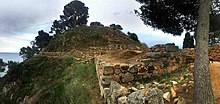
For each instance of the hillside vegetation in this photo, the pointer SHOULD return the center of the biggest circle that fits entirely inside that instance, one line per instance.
(46, 80)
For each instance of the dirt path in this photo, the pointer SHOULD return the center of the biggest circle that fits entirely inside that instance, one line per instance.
(215, 78)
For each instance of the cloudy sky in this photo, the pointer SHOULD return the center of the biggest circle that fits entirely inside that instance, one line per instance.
(20, 20)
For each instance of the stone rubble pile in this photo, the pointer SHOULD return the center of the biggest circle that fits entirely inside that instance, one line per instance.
(118, 94)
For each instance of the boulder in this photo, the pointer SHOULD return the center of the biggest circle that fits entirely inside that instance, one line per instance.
(127, 77)
(146, 96)
(154, 96)
(137, 97)
(116, 90)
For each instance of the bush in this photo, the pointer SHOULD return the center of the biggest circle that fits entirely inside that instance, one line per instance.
(2, 69)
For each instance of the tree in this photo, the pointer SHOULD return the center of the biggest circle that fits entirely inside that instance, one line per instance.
(42, 40)
(14, 68)
(175, 16)
(1, 62)
(28, 52)
(203, 93)
(170, 16)
(188, 41)
(96, 24)
(133, 36)
(58, 27)
(75, 14)
(117, 27)
(1, 65)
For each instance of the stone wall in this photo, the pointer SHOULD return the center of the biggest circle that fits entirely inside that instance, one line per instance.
(214, 53)
(151, 64)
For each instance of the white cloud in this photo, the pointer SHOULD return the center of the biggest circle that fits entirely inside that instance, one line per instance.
(13, 44)
(22, 19)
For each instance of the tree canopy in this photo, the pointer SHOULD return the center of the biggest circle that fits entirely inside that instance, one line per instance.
(170, 16)
(1, 62)
(75, 14)
(28, 52)
(42, 40)
(58, 27)
(173, 16)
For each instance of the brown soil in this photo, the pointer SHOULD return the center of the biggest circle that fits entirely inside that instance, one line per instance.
(215, 78)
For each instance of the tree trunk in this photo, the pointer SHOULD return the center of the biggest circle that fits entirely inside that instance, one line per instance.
(203, 93)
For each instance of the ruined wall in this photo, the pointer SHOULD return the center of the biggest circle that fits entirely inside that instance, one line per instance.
(151, 64)
(214, 53)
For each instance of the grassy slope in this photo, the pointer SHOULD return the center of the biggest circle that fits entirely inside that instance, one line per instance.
(53, 81)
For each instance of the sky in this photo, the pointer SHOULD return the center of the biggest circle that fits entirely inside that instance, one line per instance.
(21, 20)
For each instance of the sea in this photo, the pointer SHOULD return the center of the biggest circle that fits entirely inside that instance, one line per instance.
(9, 57)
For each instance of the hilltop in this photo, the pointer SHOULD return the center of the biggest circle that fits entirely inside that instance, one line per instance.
(81, 38)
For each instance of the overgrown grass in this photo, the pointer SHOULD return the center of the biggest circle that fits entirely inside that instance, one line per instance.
(48, 80)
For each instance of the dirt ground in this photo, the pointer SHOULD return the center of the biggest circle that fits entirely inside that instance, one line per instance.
(215, 78)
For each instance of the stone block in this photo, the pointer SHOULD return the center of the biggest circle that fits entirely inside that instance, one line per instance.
(116, 78)
(127, 77)
(106, 80)
(117, 71)
(124, 71)
(117, 66)
(133, 69)
(108, 70)
(138, 77)
(124, 67)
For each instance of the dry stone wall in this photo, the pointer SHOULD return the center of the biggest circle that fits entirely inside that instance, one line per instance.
(151, 64)
(214, 53)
